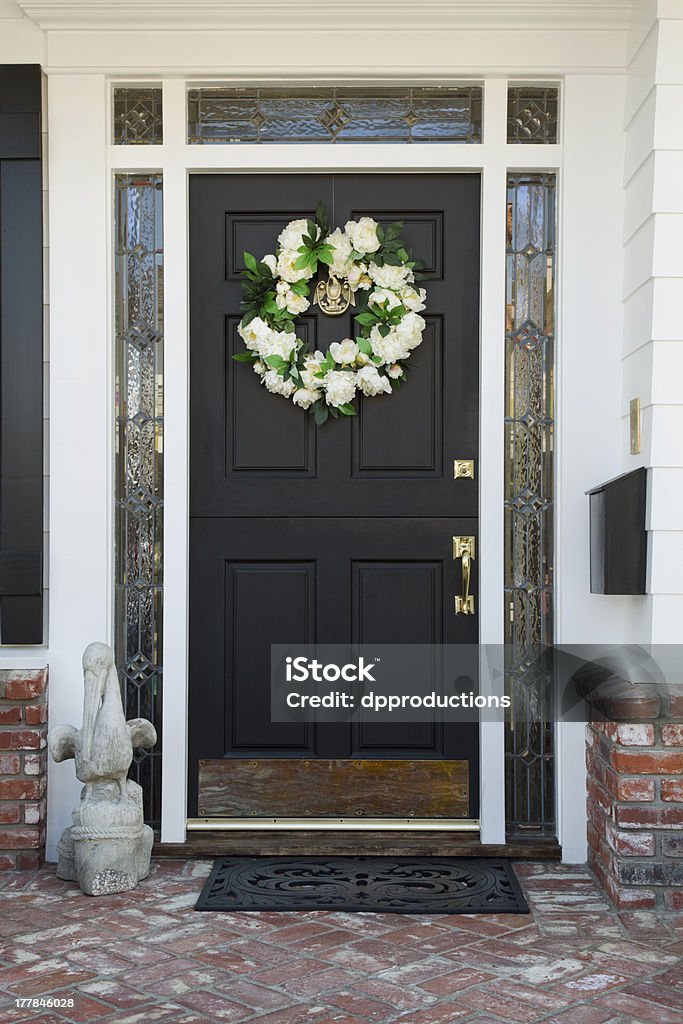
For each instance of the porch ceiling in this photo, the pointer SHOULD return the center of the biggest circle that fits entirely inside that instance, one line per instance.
(300, 14)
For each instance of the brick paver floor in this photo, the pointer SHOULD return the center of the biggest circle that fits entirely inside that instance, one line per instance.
(147, 957)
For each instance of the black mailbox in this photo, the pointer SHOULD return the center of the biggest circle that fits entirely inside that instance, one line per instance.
(618, 539)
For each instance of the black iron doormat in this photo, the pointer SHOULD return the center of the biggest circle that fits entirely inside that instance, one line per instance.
(399, 885)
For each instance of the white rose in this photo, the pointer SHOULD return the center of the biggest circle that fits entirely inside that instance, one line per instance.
(310, 369)
(271, 262)
(409, 330)
(341, 250)
(413, 298)
(384, 298)
(340, 387)
(289, 300)
(292, 236)
(305, 397)
(282, 289)
(395, 371)
(297, 303)
(371, 382)
(280, 344)
(259, 367)
(390, 277)
(309, 379)
(255, 334)
(358, 273)
(286, 269)
(344, 351)
(389, 348)
(363, 234)
(277, 384)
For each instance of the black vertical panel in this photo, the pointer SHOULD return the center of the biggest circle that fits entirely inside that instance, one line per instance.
(21, 357)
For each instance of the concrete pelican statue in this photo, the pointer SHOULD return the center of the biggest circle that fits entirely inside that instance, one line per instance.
(108, 847)
(103, 747)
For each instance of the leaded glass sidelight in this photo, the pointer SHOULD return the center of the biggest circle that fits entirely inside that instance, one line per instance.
(532, 114)
(139, 321)
(138, 116)
(448, 114)
(529, 493)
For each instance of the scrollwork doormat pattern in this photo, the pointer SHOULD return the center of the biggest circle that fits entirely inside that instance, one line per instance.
(400, 885)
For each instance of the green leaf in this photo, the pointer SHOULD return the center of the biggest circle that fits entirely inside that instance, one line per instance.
(301, 263)
(394, 230)
(364, 346)
(320, 411)
(275, 361)
(384, 330)
(249, 262)
(366, 319)
(347, 410)
(245, 357)
(322, 219)
(380, 232)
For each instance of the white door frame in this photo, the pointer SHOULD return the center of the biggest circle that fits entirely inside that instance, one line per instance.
(83, 359)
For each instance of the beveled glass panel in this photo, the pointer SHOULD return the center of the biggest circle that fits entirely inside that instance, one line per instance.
(335, 115)
(139, 462)
(532, 114)
(529, 498)
(138, 116)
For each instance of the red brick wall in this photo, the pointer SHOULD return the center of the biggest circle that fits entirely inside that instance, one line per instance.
(635, 802)
(23, 768)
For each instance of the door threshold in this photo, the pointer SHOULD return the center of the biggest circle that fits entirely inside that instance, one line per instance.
(378, 843)
(470, 825)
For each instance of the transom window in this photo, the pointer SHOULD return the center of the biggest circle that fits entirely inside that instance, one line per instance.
(423, 114)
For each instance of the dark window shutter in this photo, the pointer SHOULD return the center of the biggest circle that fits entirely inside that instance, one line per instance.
(21, 357)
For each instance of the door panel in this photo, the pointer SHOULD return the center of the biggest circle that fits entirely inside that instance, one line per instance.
(337, 534)
(398, 453)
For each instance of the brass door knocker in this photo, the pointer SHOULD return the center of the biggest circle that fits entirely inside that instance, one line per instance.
(333, 296)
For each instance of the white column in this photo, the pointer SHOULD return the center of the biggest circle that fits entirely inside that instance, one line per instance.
(81, 418)
(490, 464)
(176, 469)
(588, 423)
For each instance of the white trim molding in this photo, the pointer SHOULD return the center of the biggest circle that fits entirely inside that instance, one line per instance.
(300, 14)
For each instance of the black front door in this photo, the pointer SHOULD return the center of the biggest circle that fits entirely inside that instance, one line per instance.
(342, 533)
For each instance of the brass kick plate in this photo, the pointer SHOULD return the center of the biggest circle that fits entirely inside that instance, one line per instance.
(463, 469)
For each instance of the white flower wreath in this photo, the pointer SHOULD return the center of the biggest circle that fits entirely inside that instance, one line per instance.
(372, 267)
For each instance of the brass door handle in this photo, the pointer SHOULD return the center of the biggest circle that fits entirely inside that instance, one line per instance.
(463, 549)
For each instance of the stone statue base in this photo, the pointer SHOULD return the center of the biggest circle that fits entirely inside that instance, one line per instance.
(108, 848)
